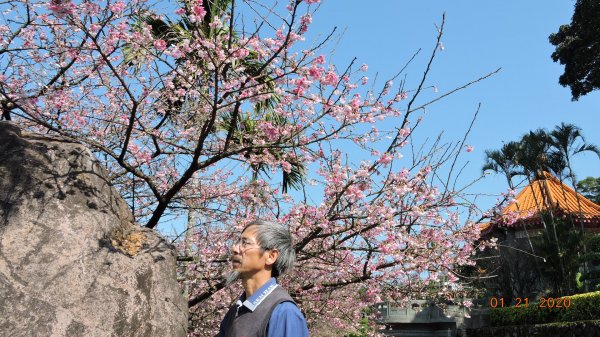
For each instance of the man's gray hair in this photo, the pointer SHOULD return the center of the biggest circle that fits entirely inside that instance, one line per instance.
(271, 235)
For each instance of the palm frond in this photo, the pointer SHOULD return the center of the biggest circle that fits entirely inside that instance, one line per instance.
(588, 148)
(294, 178)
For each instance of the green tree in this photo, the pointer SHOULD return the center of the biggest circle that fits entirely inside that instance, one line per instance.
(533, 153)
(592, 258)
(562, 258)
(539, 151)
(533, 156)
(503, 161)
(590, 188)
(578, 49)
(566, 141)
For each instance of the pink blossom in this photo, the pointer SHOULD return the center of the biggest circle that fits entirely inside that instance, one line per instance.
(386, 158)
(364, 80)
(362, 173)
(61, 7)
(404, 132)
(312, 1)
(241, 53)
(117, 7)
(355, 102)
(364, 67)
(180, 11)
(287, 167)
(316, 72)
(271, 132)
(330, 78)
(319, 59)
(302, 82)
(470, 148)
(216, 23)
(305, 20)
(91, 8)
(199, 10)
(94, 28)
(160, 44)
(298, 91)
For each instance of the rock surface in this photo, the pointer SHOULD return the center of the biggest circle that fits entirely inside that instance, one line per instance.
(72, 263)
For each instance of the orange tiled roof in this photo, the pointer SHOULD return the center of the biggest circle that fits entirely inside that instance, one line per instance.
(485, 228)
(549, 192)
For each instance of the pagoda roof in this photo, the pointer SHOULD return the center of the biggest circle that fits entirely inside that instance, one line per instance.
(485, 227)
(544, 194)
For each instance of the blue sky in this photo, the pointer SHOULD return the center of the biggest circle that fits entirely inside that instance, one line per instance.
(479, 37)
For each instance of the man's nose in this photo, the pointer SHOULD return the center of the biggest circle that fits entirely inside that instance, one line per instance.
(235, 248)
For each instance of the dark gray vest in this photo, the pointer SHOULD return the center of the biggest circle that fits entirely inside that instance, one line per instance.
(245, 323)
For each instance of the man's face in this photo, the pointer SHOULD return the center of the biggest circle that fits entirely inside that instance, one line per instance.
(247, 257)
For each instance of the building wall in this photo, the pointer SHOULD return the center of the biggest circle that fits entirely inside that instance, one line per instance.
(423, 318)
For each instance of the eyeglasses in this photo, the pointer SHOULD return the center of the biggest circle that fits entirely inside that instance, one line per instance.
(245, 244)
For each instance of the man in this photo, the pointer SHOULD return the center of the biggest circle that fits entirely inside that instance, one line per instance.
(263, 252)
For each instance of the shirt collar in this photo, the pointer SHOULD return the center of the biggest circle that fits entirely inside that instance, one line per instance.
(253, 301)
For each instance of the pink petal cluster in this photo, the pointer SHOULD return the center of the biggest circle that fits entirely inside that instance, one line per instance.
(117, 7)
(330, 78)
(199, 10)
(61, 7)
(160, 45)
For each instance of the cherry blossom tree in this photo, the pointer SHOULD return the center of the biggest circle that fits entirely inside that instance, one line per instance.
(192, 106)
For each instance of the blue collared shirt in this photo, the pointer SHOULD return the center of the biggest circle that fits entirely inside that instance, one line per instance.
(286, 319)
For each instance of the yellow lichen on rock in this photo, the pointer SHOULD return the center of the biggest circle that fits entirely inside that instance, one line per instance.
(129, 242)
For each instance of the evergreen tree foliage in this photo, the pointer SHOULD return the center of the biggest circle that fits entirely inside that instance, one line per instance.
(590, 188)
(578, 49)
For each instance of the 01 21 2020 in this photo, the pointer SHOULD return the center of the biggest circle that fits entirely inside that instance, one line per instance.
(523, 302)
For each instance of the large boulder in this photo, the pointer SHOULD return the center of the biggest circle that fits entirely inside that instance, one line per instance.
(72, 262)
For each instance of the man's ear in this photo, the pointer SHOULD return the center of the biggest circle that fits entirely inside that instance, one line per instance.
(272, 256)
